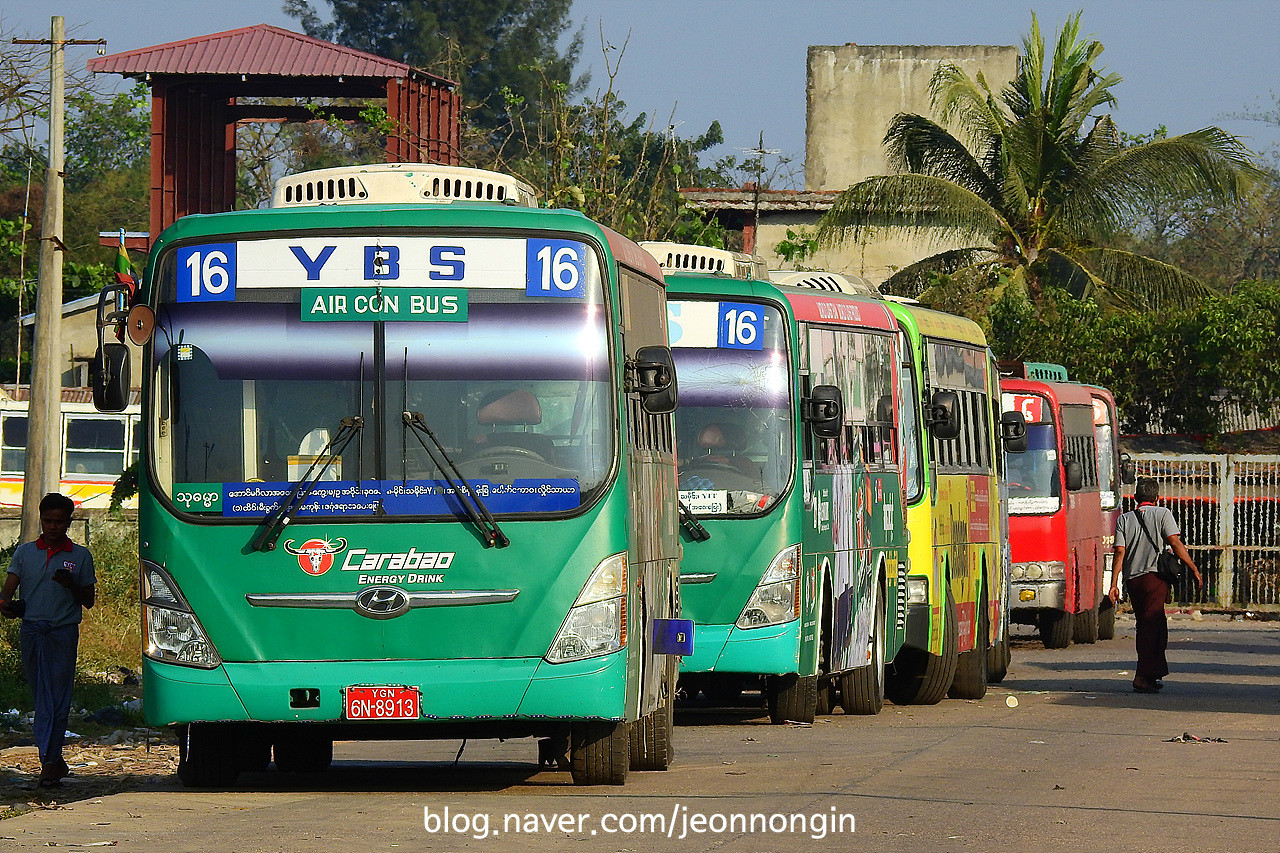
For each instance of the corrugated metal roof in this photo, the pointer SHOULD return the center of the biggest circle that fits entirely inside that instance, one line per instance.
(260, 50)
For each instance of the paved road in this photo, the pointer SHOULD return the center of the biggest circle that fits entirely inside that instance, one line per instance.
(1080, 763)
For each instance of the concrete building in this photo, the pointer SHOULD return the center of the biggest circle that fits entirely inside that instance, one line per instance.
(853, 92)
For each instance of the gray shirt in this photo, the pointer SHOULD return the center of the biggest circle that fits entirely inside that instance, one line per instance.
(45, 598)
(1140, 554)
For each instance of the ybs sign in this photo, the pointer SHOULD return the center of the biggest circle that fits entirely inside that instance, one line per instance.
(542, 267)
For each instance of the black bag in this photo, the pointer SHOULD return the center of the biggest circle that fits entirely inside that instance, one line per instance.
(1168, 566)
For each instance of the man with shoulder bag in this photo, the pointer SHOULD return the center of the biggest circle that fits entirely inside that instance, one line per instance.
(1149, 571)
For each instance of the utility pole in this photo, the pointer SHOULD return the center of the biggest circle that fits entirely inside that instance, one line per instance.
(43, 467)
(760, 151)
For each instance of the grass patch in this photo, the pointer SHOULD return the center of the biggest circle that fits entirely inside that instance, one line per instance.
(110, 635)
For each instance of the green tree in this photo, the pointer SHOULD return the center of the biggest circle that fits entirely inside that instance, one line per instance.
(622, 172)
(107, 134)
(1032, 192)
(487, 45)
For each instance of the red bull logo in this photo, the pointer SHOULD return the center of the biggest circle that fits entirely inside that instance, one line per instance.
(315, 556)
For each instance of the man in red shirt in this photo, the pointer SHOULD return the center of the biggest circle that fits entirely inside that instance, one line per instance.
(56, 578)
(1140, 537)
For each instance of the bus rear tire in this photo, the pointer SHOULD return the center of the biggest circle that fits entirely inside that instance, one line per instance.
(862, 689)
(826, 695)
(207, 755)
(1085, 626)
(599, 752)
(792, 698)
(302, 752)
(970, 681)
(1107, 619)
(921, 678)
(1056, 627)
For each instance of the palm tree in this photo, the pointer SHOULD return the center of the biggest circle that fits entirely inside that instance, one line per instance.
(1030, 194)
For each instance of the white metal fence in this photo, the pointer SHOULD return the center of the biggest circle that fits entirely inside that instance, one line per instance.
(1228, 507)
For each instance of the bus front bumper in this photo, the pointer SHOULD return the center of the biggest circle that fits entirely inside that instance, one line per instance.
(772, 650)
(1051, 595)
(497, 689)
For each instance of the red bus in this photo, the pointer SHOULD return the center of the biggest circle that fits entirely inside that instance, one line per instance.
(1055, 512)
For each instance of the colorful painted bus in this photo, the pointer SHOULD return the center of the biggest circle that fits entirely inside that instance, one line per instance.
(1056, 519)
(97, 447)
(788, 469)
(408, 472)
(957, 637)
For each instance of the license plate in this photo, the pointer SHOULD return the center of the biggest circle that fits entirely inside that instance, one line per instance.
(382, 703)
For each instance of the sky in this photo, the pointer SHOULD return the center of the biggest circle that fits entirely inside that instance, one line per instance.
(1186, 64)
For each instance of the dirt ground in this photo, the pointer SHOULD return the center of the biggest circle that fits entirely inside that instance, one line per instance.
(145, 760)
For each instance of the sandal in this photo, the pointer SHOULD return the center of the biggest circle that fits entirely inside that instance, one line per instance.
(1145, 688)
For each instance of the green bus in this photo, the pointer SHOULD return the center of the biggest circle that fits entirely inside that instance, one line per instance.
(407, 472)
(957, 613)
(788, 469)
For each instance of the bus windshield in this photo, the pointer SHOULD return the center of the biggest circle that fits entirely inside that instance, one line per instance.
(1033, 476)
(734, 437)
(514, 382)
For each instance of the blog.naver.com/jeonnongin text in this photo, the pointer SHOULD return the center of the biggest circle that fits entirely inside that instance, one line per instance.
(679, 822)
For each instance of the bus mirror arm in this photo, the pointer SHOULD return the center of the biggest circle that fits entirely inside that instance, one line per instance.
(944, 410)
(281, 516)
(466, 496)
(109, 370)
(823, 411)
(652, 374)
(1013, 431)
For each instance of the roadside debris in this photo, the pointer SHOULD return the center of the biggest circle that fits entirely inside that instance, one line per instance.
(1186, 737)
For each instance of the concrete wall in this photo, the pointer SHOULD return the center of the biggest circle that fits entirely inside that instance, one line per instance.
(853, 92)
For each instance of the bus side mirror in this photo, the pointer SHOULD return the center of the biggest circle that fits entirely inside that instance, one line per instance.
(109, 377)
(823, 411)
(1075, 475)
(1127, 474)
(654, 380)
(1013, 430)
(944, 414)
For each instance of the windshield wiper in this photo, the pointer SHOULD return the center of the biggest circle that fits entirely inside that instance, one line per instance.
(475, 509)
(282, 515)
(689, 522)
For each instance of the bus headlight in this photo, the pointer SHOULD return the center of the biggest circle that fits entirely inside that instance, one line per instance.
(1048, 570)
(776, 599)
(917, 590)
(172, 632)
(597, 621)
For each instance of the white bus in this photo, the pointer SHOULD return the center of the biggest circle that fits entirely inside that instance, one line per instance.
(96, 448)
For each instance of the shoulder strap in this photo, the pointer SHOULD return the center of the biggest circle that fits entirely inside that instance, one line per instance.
(1147, 531)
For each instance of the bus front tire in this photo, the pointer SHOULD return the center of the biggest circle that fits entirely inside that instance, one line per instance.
(302, 752)
(1056, 627)
(207, 755)
(862, 689)
(921, 678)
(599, 752)
(792, 698)
(651, 735)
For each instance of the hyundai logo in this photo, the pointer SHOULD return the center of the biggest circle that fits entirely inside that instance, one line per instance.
(382, 602)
